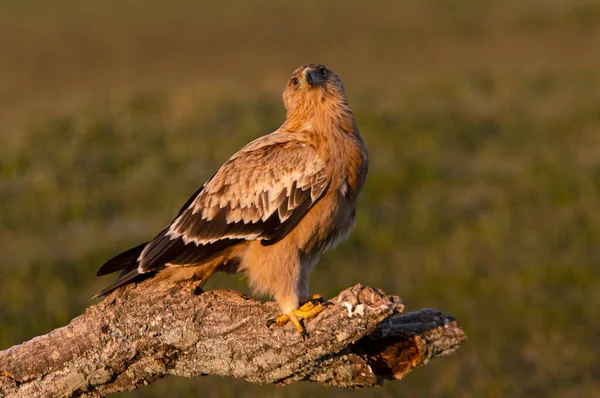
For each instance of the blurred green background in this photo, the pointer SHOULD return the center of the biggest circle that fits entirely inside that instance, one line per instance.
(482, 120)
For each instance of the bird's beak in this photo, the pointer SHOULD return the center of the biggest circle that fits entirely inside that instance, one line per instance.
(312, 77)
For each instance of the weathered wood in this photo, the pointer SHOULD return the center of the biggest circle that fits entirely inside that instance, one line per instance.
(145, 332)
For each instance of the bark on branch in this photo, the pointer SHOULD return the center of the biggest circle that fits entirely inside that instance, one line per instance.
(145, 332)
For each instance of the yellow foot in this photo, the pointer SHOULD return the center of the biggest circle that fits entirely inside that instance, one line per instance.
(314, 299)
(308, 310)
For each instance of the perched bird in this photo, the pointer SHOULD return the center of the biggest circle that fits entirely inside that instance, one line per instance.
(273, 207)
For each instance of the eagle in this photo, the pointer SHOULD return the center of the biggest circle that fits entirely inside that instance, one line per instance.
(272, 208)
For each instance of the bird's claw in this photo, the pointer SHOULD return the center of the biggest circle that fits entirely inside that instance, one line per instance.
(310, 309)
(314, 299)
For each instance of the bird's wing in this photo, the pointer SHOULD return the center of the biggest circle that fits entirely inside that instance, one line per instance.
(261, 193)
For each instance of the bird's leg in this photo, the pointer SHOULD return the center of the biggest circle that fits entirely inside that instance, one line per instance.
(293, 298)
(310, 309)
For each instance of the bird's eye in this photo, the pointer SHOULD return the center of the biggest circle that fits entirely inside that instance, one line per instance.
(323, 72)
(295, 81)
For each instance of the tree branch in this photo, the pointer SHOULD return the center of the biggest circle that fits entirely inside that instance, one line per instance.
(145, 332)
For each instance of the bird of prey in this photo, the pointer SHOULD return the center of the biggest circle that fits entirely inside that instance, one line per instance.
(272, 208)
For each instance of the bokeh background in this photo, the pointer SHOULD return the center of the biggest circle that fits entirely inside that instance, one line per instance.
(482, 119)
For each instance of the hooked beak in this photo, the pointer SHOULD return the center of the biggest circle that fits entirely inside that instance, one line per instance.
(312, 77)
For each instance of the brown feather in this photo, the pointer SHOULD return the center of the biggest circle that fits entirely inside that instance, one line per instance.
(278, 203)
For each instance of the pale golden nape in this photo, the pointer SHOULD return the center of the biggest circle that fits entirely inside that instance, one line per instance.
(273, 207)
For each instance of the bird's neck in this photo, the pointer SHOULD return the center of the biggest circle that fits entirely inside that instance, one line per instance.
(336, 117)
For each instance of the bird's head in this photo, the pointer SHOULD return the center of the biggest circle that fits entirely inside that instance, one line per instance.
(313, 87)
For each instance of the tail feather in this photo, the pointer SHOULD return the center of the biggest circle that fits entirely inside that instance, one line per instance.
(123, 280)
(124, 261)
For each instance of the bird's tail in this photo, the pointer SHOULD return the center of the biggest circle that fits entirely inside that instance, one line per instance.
(125, 262)
(121, 281)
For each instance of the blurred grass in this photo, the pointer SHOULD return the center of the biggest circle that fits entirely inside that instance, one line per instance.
(482, 121)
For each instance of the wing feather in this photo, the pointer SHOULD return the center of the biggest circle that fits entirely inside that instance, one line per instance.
(261, 193)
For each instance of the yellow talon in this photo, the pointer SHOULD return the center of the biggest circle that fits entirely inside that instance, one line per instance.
(315, 298)
(308, 310)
